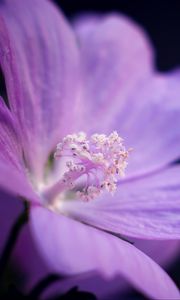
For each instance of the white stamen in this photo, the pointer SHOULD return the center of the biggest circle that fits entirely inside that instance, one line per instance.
(102, 159)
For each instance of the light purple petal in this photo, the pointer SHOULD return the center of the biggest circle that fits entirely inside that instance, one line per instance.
(85, 24)
(148, 208)
(39, 59)
(103, 288)
(15, 182)
(116, 56)
(35, 268)
(124, 94)
(149, 122)
(13, 174)
(71, 248)
(12, 170)
(10, 142)
(163, 252)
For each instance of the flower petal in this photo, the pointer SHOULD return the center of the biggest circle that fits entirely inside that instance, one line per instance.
(71, 247)
(15, 182)
(150, 122)
(116, 56)
(143, 106)
(164, 252)
(10, 143)
(13, 174)
(39, 58)
(10, 208)
(147, 208)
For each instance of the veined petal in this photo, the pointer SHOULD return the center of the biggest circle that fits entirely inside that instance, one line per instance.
(39, 59)
(13, 174)
(116, 56)
(147, 208)
(71, 248)
(10, 142)
(149, 122)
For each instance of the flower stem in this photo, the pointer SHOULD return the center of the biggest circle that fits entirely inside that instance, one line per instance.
(16, 228)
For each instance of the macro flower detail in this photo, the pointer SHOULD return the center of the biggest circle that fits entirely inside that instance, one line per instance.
(100, 160)
(71, 92)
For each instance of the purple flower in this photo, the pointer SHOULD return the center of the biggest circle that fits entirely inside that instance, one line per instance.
(103, 83)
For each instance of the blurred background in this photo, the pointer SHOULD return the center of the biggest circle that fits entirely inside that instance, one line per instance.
(160, 19)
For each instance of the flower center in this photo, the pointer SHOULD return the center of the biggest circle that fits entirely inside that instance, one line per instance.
(92, 165)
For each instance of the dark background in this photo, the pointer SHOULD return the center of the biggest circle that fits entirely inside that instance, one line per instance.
(160, 19)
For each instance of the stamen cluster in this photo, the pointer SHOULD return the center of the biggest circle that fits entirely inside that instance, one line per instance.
(99, 161)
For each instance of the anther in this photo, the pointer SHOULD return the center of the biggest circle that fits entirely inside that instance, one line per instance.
(99, 161)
